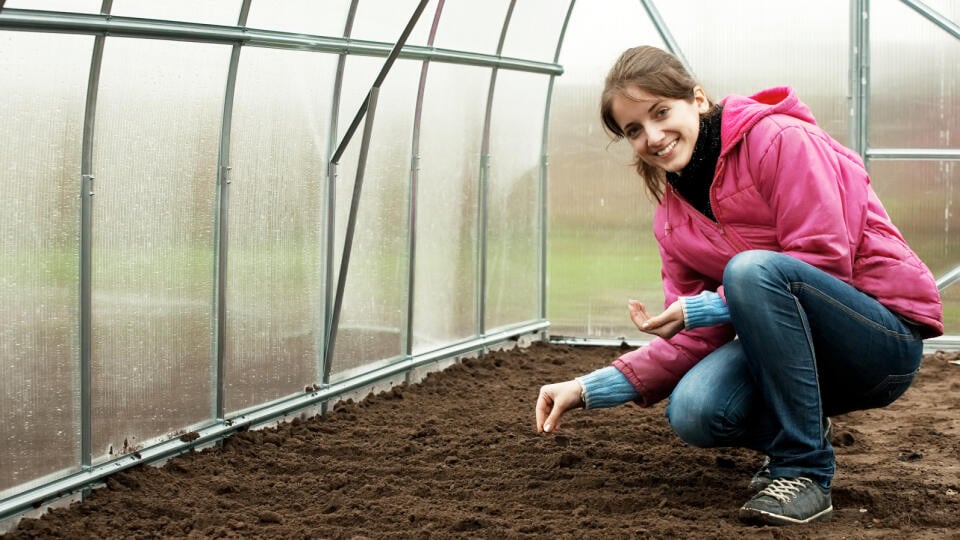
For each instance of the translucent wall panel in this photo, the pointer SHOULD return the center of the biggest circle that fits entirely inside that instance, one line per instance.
(372, 322)
(923, 198)
(42, 112)
(513, 199)
(324, 17)
(534, 29)
(915, 80)
(275, 270)
(948, 8)
(471, 26)
(75, 6)
(385, 21)
(223, 12)
(155, 163)
(741, 46)
(601, 250)
(445, 306)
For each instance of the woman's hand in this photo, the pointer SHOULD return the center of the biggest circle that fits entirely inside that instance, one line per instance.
(554, 400)
(665, 325)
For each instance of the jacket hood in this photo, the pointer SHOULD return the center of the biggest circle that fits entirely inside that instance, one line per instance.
(742, 113)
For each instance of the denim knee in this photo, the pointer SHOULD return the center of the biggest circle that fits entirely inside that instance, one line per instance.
(747, 269)
(744, 267)
(690, 417)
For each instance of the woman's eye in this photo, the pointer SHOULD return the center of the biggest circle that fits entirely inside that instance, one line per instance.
(662, 112)
(632, 133)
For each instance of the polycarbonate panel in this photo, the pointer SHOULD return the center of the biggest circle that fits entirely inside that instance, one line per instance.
(73, 6)
(915, 80)
(385, 21)
(471, 26)
(40, 238)
(513, 199)
(534, 29)
(451, 130)
(155, 164)
(922, 198)
(278, 149)
(372, 320)
(223, 12)
(601, 250)
(323, 17)
(742, 46)
(947, 8)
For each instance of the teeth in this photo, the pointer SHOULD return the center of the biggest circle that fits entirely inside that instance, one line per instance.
(667, 149)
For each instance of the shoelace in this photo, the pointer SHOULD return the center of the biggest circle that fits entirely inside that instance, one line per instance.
(784, 489)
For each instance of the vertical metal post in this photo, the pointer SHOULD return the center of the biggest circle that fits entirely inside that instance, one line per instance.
(859, 75)
(331, 206)
(544, 170)
(414, 186)
(86, 248)
(371, 103)
(367, 109)
(665, 34)
(222, 225)
(482, 217)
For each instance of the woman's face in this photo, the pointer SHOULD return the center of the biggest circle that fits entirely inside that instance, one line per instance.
(661, 130)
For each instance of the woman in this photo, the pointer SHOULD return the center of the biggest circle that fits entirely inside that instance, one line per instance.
(790, 295)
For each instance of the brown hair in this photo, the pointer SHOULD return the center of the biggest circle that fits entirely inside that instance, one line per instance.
(655, 71)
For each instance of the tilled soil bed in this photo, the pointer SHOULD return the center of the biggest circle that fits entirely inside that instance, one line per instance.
(457, 455)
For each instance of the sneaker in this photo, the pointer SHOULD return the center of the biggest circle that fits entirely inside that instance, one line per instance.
(762, 478)
(788, 501)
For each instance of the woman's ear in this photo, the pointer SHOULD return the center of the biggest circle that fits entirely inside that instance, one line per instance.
(700, 98)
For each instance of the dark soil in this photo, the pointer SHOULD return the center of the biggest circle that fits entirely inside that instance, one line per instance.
(457, 456)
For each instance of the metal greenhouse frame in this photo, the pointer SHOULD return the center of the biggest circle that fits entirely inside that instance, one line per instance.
(104, 26)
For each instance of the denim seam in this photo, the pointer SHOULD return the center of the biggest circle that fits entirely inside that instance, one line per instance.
(794, 285)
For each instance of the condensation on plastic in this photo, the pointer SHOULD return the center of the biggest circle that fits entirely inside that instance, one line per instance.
(40, 239)
(914, 80)
(471, 26)
(155, 164)
(534, 29)
(742, 46)
(601, 250)
(372, 321)
(315, 17)
(445, 308)
(275, 294)
(222, 12)
(513, 199)
(71, 6)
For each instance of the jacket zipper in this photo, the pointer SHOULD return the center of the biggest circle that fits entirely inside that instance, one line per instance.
(731, 239)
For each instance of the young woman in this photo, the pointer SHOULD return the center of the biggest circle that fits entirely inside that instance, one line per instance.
(790, 295)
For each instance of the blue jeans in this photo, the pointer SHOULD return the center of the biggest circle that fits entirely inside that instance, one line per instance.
(808, 346)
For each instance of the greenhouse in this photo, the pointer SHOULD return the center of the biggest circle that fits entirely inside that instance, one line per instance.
(227, 215)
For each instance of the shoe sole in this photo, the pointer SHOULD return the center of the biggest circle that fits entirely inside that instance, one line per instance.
(759, 517)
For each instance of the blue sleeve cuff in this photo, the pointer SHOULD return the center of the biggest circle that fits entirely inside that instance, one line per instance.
(704, 309)
(606, 387)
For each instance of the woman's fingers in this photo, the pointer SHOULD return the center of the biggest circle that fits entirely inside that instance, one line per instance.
(553, 401)
(544, 406)
(638, 313)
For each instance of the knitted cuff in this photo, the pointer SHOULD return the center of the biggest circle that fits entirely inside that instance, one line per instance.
(606, 387)
(704, 309)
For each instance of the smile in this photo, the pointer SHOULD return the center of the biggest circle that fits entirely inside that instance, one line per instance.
(668, 149)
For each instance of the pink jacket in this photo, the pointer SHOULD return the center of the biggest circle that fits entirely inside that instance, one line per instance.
(781, 184)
